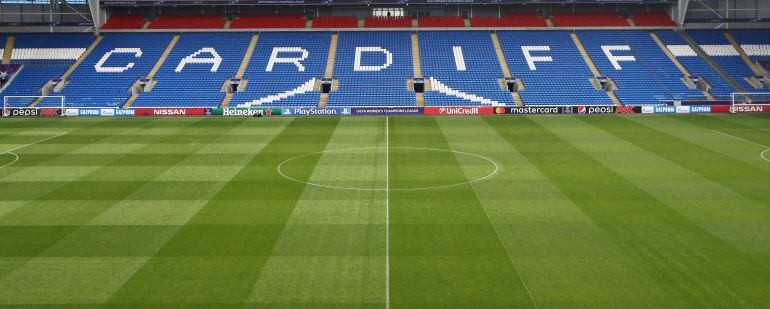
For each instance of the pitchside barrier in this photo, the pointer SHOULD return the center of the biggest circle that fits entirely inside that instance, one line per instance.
(738, 107)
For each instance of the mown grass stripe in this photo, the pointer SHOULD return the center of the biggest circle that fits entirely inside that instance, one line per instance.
(737, 175)
(92, 245)
(331, 250)
(702, 201)
(218, 256)
(442, 237)
(668, 247)
(554, 244)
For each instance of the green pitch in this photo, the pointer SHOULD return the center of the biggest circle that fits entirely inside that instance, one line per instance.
(374, 212)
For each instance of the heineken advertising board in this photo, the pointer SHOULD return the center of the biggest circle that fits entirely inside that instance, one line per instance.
(244, 111)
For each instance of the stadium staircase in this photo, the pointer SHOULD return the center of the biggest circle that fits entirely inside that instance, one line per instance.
(8, 51)
(743, 54)
(417, 67)
(676, 62)
(154, 69)
(504, 66)
(592, 66)
(146, 24)
(710, 61)
(242, 68)
(329, 71)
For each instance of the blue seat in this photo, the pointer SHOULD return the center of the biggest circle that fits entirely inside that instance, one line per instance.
(192, 84)
(479, 77)
(647, 77)
(43, 57)
(386, 87)
(733, 64)
(89, 87)
(266, 84)
(565, 80)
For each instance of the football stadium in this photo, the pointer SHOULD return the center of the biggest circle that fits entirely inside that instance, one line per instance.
(385, 154)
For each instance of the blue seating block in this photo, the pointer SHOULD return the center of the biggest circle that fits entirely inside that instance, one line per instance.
(187, 83)
(478, 77)
(266, 82)
(386, 87)
(564, 80)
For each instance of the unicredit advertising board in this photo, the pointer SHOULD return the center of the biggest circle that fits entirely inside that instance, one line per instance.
(459, 110)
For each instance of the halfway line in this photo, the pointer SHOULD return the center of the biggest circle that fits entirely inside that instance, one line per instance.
(387, 212)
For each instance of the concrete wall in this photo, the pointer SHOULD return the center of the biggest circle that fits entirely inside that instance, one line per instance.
(735, 9)
(36, 13)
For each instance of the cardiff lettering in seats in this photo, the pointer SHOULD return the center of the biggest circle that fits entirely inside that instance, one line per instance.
(215, 60)
(296, 55)
(99, 66)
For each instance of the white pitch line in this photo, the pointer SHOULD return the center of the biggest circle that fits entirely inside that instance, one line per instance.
(761, 154)
(40, 141)
(740, 138)
(492, 173)
(11, 151)
(33, 132)
(387, 212)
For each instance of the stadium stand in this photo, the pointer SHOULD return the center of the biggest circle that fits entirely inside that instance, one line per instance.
(196, 69)
(547, 64)
(641, 70)
(43, 57)
(462, 68)
(652, 19)
(554, 72)
(589, 19)
(113, 67)
(125, 21)
(388, 22)
(256, 20)
(720, 89)
(335, 22)
(441, 21)
(510, 20)
(716, 45)
(284, 69)
(188, 21)
(377, 74)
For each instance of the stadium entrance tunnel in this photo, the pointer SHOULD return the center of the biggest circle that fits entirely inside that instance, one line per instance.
(393, 168)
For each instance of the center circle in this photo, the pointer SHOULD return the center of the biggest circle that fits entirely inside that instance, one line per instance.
(369, 169)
